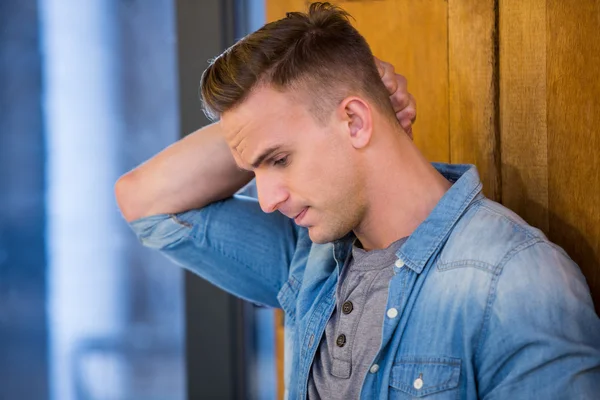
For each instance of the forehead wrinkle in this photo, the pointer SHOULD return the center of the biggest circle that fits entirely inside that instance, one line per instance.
(255, 125)
(237, 150)
(234, 143)
(237, 160)
(242, 141)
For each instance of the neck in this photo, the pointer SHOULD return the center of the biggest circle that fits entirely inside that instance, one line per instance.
(401, 191)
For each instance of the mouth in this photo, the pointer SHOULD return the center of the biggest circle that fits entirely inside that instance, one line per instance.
(299, 217)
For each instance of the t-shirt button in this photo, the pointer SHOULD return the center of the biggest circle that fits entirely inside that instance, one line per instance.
(374, 368)
(347, 307)
(392, 313)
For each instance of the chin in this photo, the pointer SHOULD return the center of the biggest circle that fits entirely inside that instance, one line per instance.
(318, 236)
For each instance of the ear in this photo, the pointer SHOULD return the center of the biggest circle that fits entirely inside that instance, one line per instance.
(355, 115)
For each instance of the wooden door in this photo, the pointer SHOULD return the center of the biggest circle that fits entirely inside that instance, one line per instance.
(550, 119)
(510, 86)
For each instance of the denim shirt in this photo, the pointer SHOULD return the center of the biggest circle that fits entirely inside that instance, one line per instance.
(486, 307)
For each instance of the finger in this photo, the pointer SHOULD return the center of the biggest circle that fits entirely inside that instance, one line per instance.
(402, 82)
(407, 114)
(400, 101)
(413, 108)
(404, 119)
(400, 98)
(406, 126)
(389, 77)
(409, 111)
(380, 68)
(383, 67)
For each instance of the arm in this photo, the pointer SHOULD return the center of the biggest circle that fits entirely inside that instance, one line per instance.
(199, 169)
(192, 173)
(541, 339)
(180, 202)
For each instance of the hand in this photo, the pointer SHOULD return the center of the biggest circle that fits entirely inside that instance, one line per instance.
(403, 102)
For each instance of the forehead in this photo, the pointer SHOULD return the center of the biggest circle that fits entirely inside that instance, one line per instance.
(266, 115)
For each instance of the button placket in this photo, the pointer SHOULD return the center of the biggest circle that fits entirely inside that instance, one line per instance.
(396, 300)
(341, 340)
(347, 307)
(392, 313)
(347, 318)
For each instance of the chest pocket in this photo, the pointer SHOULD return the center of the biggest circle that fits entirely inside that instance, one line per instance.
(425, 377)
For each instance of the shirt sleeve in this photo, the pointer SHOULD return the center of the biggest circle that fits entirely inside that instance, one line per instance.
(541, 336)
(231, 243)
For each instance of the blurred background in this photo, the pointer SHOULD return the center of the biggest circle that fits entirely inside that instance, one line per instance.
(89, 89)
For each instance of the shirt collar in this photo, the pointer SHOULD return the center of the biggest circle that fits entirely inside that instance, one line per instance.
(432, 232)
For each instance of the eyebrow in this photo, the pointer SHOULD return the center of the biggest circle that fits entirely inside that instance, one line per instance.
(266, 153)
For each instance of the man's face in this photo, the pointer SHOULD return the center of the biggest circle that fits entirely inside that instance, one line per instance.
(306, 170)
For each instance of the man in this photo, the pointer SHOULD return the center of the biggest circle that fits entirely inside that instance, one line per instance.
(398, 279)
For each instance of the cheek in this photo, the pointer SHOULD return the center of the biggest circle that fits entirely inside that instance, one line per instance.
(324, 175)
(320, 176)
(307, 175)
(336, 188)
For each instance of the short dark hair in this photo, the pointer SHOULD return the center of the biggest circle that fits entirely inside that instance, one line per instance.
(318, 51)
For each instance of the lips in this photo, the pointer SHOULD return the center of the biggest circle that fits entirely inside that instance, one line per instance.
(299, 217)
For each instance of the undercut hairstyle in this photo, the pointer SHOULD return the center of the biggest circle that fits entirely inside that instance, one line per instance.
(318, 54)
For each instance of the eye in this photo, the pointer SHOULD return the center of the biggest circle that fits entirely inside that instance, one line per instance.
(280, 162)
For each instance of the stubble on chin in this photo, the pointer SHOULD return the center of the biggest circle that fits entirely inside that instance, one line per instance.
(322, 234)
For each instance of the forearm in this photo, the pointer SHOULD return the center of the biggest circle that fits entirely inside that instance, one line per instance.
(192, 173)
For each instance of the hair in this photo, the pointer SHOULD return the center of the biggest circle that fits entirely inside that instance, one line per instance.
(318, 53)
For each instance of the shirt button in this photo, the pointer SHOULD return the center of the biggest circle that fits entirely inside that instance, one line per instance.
(374, 368)
(347, 307)
(399, 263)
(418, 383)
(392, 313)
(341, 340)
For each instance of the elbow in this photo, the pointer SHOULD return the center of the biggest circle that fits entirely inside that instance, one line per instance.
(128, 196)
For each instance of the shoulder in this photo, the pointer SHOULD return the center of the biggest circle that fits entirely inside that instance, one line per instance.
(494, 238)
(540, 281)
(486, 236)
(518, 259)
(538, 293)
(512, 267)
(539, 318)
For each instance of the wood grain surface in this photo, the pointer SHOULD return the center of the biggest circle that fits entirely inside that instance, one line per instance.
(511, 86)
(413, 36)
(473, 90)
(573, 101)
(523, 126)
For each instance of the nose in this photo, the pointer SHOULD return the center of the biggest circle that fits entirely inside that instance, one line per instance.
(271, 193)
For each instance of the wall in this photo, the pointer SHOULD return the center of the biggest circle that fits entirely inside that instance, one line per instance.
(510, 86)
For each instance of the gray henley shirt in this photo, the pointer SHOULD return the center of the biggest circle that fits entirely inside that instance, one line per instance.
(353, 333)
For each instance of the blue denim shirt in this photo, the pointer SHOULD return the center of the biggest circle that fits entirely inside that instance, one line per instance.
(486, 306)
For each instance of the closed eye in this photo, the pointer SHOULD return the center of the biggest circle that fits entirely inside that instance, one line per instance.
(280, 162)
